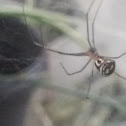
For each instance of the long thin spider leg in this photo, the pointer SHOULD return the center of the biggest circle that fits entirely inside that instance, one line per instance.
(76, 71)
(116, 57)
(63, 53)
(87, 22)
(93, 23)
(92, 73)
(120, 76)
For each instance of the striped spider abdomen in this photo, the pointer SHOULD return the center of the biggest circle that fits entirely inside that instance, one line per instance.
(105, 66)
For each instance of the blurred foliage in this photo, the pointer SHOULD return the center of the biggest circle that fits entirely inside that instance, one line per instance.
(70, 108)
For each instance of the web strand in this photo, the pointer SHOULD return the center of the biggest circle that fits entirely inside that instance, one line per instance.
(92, 74)
(31, 37)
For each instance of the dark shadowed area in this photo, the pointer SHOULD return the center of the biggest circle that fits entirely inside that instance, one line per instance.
(17, 53)
(47, 96)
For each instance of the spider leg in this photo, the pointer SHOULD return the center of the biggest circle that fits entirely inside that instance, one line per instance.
(87, 23)
(120, 76)
(116, 57)
(92, 73)
(76, 71)
(93, 23)
(63, 53)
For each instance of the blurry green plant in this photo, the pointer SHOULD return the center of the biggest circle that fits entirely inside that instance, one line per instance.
(64, 24)
(58, 21)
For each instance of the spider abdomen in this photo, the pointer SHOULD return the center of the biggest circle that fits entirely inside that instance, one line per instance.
(105, 66)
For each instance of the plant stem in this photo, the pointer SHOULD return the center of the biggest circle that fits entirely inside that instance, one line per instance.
(51, 19)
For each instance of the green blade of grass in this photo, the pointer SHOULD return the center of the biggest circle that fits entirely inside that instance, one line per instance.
(51, 19)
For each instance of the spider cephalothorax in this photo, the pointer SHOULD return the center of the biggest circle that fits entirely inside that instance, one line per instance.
(105, 66)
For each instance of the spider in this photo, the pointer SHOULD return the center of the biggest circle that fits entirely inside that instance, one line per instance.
(105, 65)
